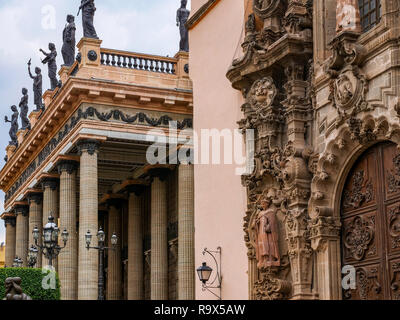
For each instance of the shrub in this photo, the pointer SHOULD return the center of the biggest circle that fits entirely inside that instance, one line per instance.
(31, 283)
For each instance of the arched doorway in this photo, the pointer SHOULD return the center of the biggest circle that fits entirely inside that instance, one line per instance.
(370, 213)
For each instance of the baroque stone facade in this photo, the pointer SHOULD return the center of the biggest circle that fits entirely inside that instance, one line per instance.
(320, 81)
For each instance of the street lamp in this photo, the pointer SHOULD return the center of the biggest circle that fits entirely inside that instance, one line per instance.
(32, 256)
(101, 237)
(17, 263)
(204, 272)
(50, 247)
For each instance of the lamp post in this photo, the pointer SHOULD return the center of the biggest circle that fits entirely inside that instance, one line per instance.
(101, 237)
(50, 247)
(32, 256)
(17, 263)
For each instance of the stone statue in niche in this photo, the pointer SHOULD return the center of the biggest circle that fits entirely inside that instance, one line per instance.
(14, 126)
(182, 17)
(88, 10)
(68, 48)
(251, 24)
(23, 105)
(51, 62)
(266, 234)
(37, 86)
(14, 290)
(347, 16)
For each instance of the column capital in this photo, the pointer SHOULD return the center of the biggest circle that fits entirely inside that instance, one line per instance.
(113, 200)
(89, 145)
(36, 197)
(9, 221)
(136, 186)
(68, 166)
(49, 182)
(22, 209)
(160, 171)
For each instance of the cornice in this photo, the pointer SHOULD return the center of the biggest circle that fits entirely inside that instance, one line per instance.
(75, 92)
(201, 13)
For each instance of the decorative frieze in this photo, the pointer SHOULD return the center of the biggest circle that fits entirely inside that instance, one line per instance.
(90, 113)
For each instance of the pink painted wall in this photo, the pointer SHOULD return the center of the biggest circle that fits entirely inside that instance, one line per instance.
(220, 200)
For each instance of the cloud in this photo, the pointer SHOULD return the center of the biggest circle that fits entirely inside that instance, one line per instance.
(132, 25)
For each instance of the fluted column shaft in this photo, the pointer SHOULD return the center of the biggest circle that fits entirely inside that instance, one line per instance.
(35, 220)
(159, 240)
(135, 248)
(22, 229)
(186, 267)
(68, 258)
(114, 273)
(88, 220)
(50, 207)
(10, 241)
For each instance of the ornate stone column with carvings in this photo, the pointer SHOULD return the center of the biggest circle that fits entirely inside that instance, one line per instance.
(114, 273)
(186, 267)
(68, 258)
(9, 223)
(135, 242)
(35, 220)
(88, 220)
(159, 237)
(22, 229)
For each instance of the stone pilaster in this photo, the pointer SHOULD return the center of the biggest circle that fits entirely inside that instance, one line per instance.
(114, 274)
(186, 267)
(159, 237)
(50, 207)
(22, 229)
(35, 220)
(68, 258)
(9, 223)
(135, 244)
(88, 220)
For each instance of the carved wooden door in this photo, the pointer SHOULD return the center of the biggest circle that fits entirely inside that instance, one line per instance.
(371, 224)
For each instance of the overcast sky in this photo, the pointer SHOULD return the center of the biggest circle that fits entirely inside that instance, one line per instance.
(147, 26)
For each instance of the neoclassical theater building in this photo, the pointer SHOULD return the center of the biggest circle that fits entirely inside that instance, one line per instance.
(319, 83)
(84, 161)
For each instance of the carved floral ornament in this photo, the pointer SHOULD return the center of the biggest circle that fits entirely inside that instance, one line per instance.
(262, 94)
(358, 236)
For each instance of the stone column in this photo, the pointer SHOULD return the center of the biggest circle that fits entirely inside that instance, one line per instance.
(22, 229)
(135, 244)
(68, 258)
(50, 207)
(186, 267)
(9, 223)
(159, 238)
(35, 220)
(88, 220)
(114, 274)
